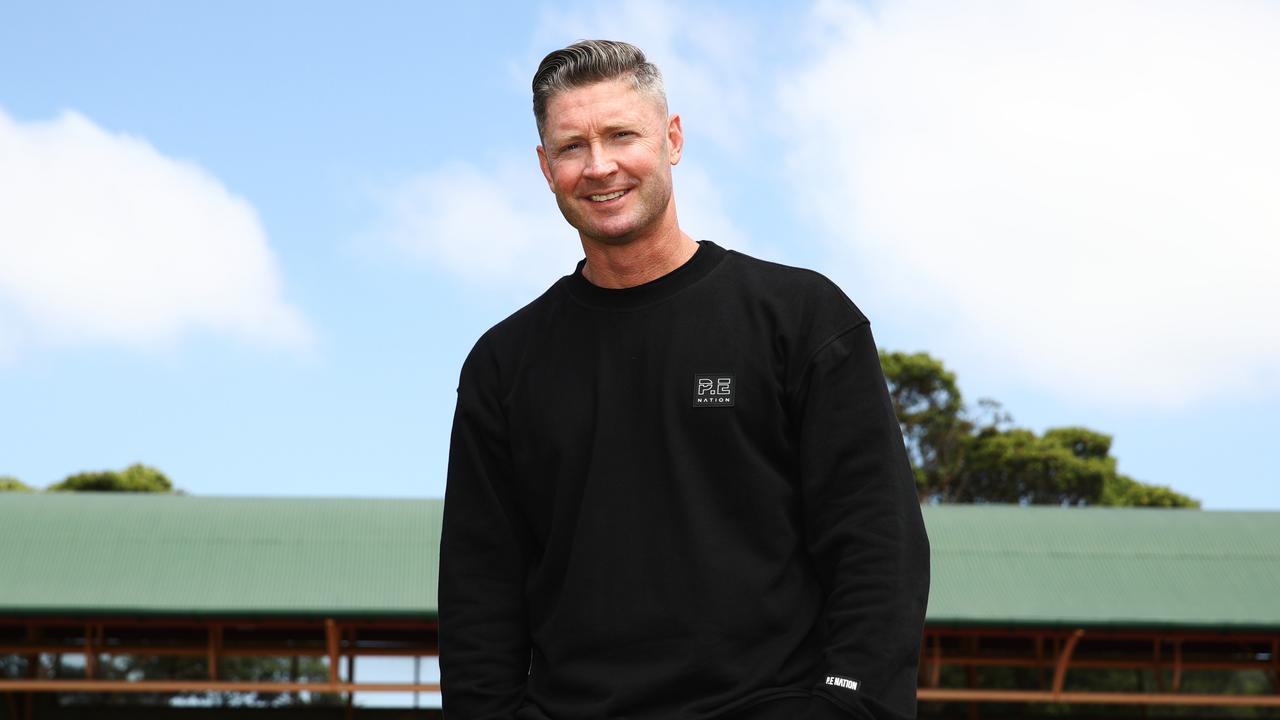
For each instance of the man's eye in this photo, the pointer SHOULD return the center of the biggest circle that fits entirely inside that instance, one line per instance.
(623, 133)
(570, 146)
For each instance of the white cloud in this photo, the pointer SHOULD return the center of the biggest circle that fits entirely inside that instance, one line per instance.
(105, 240)
(499, 227)
(1087, 193)
(493, 227)
(700, 207)
(707, 70)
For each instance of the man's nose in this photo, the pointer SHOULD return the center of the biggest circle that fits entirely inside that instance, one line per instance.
(600, 163)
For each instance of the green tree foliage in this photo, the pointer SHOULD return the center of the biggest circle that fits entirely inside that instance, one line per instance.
(966, 457)
(9, 483)
(135, 478)
(1016, 466)
(929, 408)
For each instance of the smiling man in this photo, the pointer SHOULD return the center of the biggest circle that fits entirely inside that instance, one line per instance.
(677, 489)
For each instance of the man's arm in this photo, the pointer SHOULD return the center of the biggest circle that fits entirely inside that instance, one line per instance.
(864, 531)
(484, 636)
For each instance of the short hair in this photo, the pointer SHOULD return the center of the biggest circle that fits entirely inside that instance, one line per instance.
(587, 62)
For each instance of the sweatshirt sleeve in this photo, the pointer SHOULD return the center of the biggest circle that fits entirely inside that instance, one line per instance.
(864, 532)
(484, 636)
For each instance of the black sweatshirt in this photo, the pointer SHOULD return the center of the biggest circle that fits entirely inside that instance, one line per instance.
(684, 499)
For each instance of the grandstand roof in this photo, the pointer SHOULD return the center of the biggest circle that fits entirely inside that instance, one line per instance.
(159, 554)
(1104, 566)
(151, 554)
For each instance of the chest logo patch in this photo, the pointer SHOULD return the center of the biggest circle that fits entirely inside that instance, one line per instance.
(712, 390)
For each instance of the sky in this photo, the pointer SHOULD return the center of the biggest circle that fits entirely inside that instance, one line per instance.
(251, 243)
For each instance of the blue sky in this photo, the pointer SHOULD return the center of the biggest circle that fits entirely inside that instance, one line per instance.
(251, 243)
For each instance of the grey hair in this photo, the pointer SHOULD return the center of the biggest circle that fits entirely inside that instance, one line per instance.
(591, 61)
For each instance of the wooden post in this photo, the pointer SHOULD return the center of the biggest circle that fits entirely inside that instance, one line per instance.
(33, 673)
(935, 669)
(1040, 659)
(333, 641)
(1159, 644)
(922, 668)
(215, 650)
(351, 672)
(971, 672)
(90, 657)
(1177, 665)
(1275, 665)
(1064, 659)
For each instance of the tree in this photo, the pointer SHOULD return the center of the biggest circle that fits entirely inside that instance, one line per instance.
(1017, 466)
(135, 478)
(9, 483)
(966, 457)
(1124, 490)
(930, 411)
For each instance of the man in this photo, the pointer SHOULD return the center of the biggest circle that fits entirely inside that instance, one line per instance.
(676, 485)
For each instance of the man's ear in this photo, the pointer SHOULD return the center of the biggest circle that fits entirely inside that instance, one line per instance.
(675, 136)
(546, 168)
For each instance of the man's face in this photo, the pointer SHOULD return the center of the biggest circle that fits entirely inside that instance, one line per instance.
(607, 154)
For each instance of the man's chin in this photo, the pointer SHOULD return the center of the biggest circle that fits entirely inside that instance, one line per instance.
(607, 235)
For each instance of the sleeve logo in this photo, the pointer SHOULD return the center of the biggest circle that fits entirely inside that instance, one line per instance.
(845, 683)
(712, 390)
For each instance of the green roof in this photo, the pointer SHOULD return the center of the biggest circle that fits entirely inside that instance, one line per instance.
(154, 554)
(1104, 566)
(145, 554)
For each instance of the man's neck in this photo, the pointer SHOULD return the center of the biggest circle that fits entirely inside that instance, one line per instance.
(636, 262)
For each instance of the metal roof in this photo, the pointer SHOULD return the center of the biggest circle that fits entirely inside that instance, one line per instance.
(156, 554)
(1104, 566)
(151, 554)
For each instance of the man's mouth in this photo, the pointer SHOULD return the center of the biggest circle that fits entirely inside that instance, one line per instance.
(608, 196)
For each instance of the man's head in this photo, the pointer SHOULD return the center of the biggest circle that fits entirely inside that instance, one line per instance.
(607, 142)
(587, 62)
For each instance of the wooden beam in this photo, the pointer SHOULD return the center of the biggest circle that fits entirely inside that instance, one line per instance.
(1127, 662)
(1064, 659)
(1094, 698)
(201, 649)
(1106, 632)
(203, 621)
(924, 694)
(176, 686)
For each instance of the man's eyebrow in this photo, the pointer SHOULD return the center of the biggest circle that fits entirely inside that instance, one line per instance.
(620, 125)
(577, 136)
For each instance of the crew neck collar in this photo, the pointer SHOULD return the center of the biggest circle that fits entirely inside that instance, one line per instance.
(703, 261)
